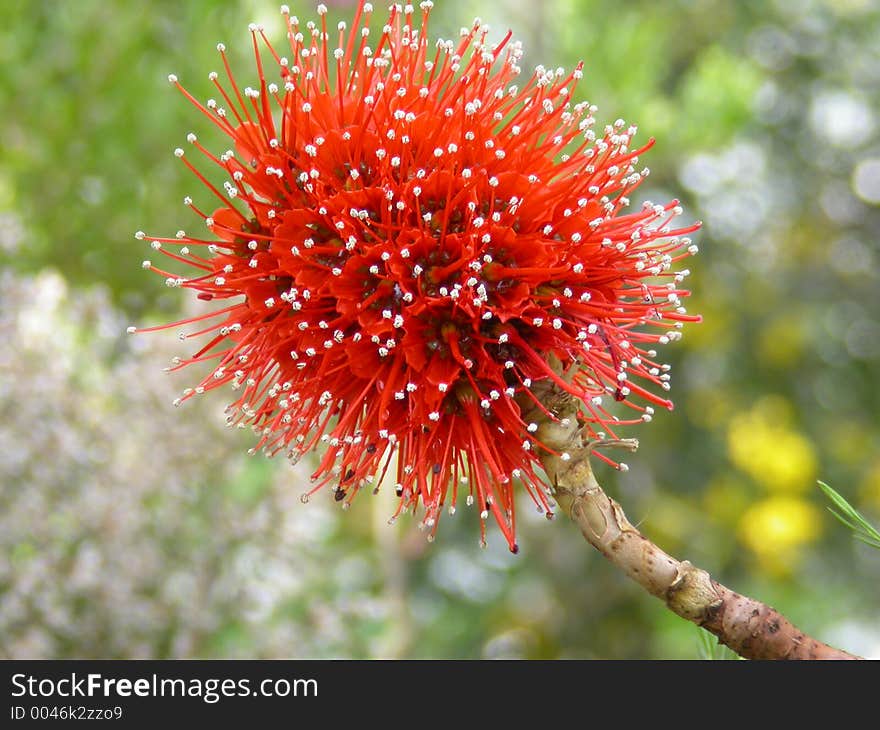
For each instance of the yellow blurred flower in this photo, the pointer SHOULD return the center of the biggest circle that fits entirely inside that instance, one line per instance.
(776, 528)
(761, 443)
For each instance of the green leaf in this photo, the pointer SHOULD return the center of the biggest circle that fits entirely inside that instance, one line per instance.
(711, 649)
(851, 517)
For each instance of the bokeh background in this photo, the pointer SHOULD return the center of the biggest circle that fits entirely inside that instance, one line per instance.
(129, 528)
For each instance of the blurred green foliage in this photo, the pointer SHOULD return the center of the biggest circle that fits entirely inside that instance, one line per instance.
(766, 120)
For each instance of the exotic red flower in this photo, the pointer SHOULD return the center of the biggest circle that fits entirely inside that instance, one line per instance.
(414, 239)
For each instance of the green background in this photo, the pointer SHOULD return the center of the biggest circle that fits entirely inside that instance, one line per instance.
(129, 528)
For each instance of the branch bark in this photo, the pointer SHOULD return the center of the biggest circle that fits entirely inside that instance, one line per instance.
(752, 629)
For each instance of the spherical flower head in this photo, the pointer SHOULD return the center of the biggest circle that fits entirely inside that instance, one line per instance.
(406, 243)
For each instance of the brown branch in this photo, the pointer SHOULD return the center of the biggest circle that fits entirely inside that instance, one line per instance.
(752, 629)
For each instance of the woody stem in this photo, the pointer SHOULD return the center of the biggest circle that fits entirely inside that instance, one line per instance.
(751, 628)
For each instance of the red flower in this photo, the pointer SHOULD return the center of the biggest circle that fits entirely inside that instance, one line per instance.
(414, 238)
